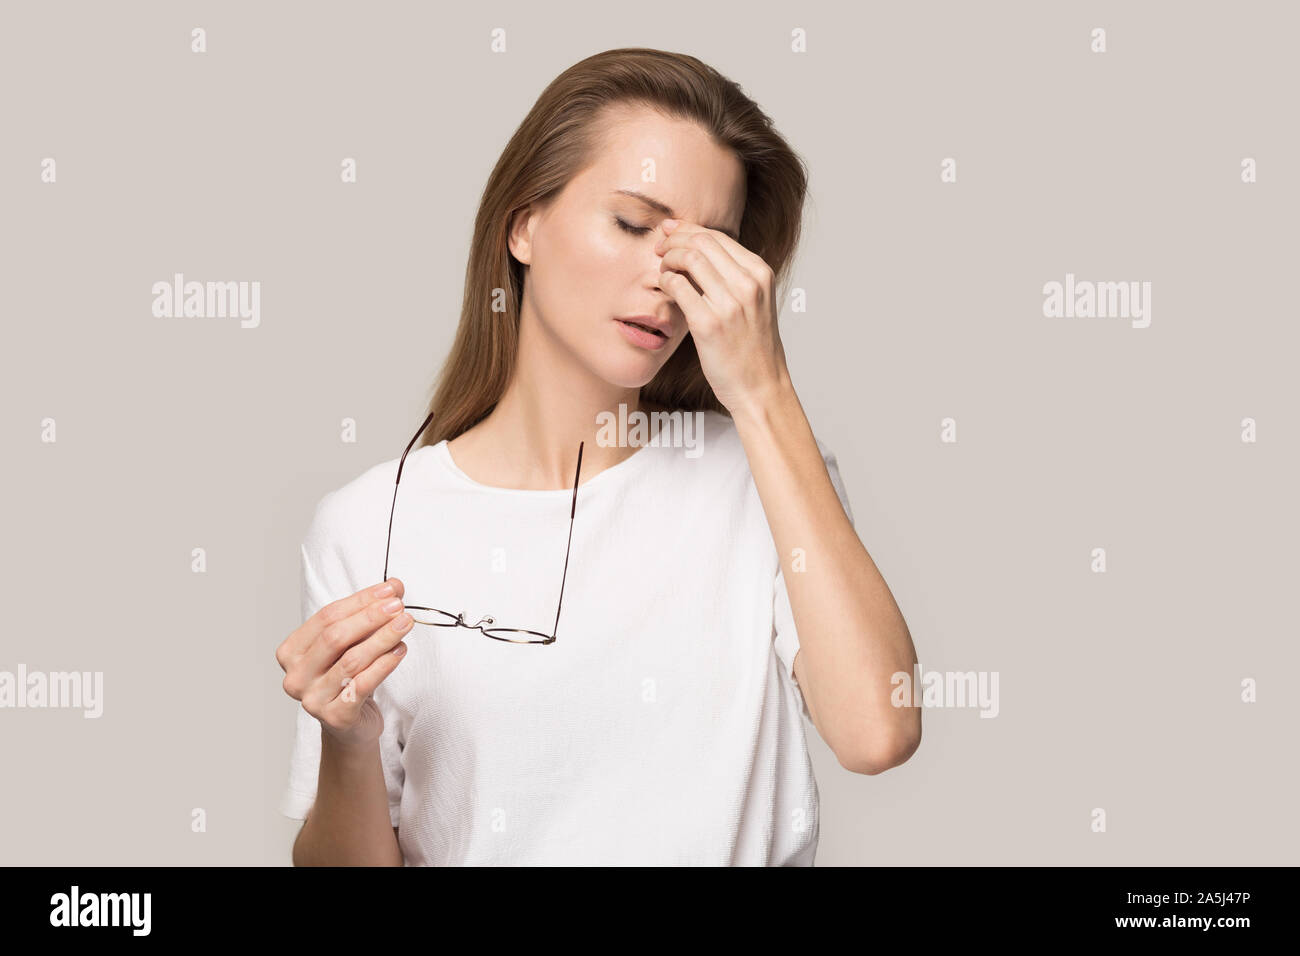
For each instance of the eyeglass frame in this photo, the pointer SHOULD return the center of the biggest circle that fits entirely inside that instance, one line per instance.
(458, 620)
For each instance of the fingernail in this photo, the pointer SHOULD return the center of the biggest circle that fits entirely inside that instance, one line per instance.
(669, 223)
(394, 605)
(383, 589)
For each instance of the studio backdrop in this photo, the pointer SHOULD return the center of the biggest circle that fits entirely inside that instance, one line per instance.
(1043, 312)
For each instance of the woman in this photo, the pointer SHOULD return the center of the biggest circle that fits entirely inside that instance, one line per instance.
(623, 266)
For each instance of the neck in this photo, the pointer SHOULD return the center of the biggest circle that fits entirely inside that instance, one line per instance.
(530, 439)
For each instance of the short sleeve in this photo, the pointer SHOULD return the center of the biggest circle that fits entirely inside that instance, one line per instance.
(785, 637)
(324, 578)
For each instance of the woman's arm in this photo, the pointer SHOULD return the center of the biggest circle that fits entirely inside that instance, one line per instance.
(348, 825)
(852, 636)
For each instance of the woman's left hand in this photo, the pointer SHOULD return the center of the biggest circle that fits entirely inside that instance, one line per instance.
(734, 321)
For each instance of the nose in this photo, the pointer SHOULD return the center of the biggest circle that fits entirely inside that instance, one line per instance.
(655, 260)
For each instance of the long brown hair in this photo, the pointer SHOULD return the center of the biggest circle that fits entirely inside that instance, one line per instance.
(553, 144)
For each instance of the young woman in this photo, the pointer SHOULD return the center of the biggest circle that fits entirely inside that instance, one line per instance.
(581, 648)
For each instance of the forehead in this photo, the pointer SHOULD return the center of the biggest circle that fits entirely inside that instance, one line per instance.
(671, 160)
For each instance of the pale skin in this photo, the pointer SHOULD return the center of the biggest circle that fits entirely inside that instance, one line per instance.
(332, 664)
(587, 263)
(852, 636)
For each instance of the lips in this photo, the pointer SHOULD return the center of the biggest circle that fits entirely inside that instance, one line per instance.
(642, 336)
(650, 323)
(645, 327)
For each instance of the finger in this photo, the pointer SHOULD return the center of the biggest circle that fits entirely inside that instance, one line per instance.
(335, 638)
(344, 708)
(748, 260)
(357, 658)
(708, 242)
(705, 267)
(300, 641)
(693, 306)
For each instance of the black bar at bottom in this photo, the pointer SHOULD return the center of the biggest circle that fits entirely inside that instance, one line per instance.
(921, 904)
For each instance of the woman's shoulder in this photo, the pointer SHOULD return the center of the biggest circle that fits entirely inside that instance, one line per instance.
(700, 445)
(692, 436)
(362, 500)
(715, 446)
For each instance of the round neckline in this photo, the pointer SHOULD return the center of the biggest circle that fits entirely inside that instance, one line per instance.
(443, 453)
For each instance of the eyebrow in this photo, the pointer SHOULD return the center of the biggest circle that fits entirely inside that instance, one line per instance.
(658, 206)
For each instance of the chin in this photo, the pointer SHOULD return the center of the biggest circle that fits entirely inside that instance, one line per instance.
(627, 367)
(629, 374)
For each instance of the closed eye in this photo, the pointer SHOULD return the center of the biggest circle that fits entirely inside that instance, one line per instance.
(628, 227)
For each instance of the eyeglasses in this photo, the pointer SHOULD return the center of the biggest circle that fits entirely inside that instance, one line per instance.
(433, 617)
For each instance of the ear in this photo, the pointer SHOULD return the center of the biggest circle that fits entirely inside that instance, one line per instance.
(519, 237)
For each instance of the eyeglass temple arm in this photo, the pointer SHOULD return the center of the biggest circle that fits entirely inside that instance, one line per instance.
(402, 461)
(572, 511)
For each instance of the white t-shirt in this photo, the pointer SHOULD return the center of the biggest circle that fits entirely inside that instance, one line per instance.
(663, 726)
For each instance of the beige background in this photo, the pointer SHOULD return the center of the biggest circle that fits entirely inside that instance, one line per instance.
(1118, 690)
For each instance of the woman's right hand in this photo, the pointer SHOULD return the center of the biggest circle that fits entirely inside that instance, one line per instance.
(334, 662)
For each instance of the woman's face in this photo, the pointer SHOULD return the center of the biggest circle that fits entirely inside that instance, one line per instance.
(590, 251)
